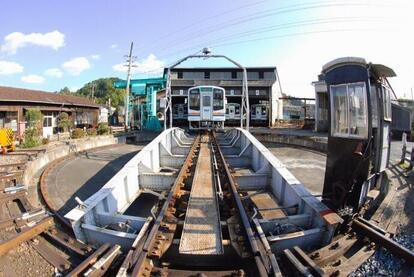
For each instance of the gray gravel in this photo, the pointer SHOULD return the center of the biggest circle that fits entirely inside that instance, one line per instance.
(383, 263)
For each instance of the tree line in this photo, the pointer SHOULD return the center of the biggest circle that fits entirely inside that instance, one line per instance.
(101, 90)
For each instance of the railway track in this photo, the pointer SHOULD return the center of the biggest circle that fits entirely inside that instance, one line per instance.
(196, 229)
(347, 253)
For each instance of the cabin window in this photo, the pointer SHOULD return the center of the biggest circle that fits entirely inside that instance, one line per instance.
(349, 110)
(179, 75)
(207, 75)
(218, 101)
(386, 96)
(374, 105)
(234, 74)
(194, 101)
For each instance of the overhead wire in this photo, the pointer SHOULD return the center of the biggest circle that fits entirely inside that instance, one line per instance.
(252, 17)
(226, 40)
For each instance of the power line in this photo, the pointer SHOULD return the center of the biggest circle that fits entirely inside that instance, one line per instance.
(189, 26)
(278, 36)
(255, 16)
(273, 28)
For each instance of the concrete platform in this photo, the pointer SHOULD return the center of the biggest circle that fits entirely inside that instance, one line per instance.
(202, 232)
(86, 174)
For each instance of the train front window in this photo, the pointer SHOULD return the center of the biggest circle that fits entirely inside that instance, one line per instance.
(194, 100)
(349, 110)
(218, 101)
(206, 101)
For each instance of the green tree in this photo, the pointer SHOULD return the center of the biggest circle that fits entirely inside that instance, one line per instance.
(64, 121)
(103, 90)
(65, 90)
(33, 131)
(33, 118)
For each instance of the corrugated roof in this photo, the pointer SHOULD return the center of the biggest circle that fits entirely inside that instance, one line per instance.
(37, 96)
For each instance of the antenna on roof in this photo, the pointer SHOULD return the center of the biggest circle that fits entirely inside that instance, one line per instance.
(206, 51)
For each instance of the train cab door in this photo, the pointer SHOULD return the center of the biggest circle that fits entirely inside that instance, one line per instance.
(180, 111)
(258, 112)
(206, 110)
(232, 110)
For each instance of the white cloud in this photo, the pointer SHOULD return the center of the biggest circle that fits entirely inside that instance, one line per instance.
(95, 57)
(75, 66)
(33, 79)
(151, 65)
(54, 72)
(8, 68)
(16, 40)
(113, 46)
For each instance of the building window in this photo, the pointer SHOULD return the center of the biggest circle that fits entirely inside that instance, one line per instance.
(207, 75)
(179, 74)
(261, 75)
(8, 120)
(234, 74)
(349, 110)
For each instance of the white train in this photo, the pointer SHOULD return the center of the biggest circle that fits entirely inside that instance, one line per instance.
(206, 107)
(180, 112)
(233, 112)
(259, 113)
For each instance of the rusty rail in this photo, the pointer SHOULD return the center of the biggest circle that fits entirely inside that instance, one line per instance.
(260, 255)
(168, 204)
(373, 234)
(89, 261)
(25, 235)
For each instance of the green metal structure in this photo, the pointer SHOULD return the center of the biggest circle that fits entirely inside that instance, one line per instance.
(147, 112)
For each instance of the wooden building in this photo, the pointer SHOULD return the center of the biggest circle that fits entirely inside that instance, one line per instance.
(14, 102)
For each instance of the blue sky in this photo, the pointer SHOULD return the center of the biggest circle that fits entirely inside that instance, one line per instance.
(48, 45)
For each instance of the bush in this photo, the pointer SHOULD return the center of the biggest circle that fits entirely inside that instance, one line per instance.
(64, 121)
(78, 133)
(31, 138)
(91, 132)
(45, 141)
(34, 118)
(103, 129)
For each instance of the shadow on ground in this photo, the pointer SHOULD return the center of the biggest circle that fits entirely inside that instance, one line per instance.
(97, 181)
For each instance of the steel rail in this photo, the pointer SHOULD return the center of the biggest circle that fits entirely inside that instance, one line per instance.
(25, 235)
(245, 220)
(395, 248)
(174, 189)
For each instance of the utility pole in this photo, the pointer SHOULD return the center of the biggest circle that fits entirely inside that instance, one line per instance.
(93, 90)
(130, 60)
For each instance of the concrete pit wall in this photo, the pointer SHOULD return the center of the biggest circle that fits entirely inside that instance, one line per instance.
(90, 220)
(242, 150)
(59, 151)
(314, 143)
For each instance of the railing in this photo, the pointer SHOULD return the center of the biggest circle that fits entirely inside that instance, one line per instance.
(404, 153)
